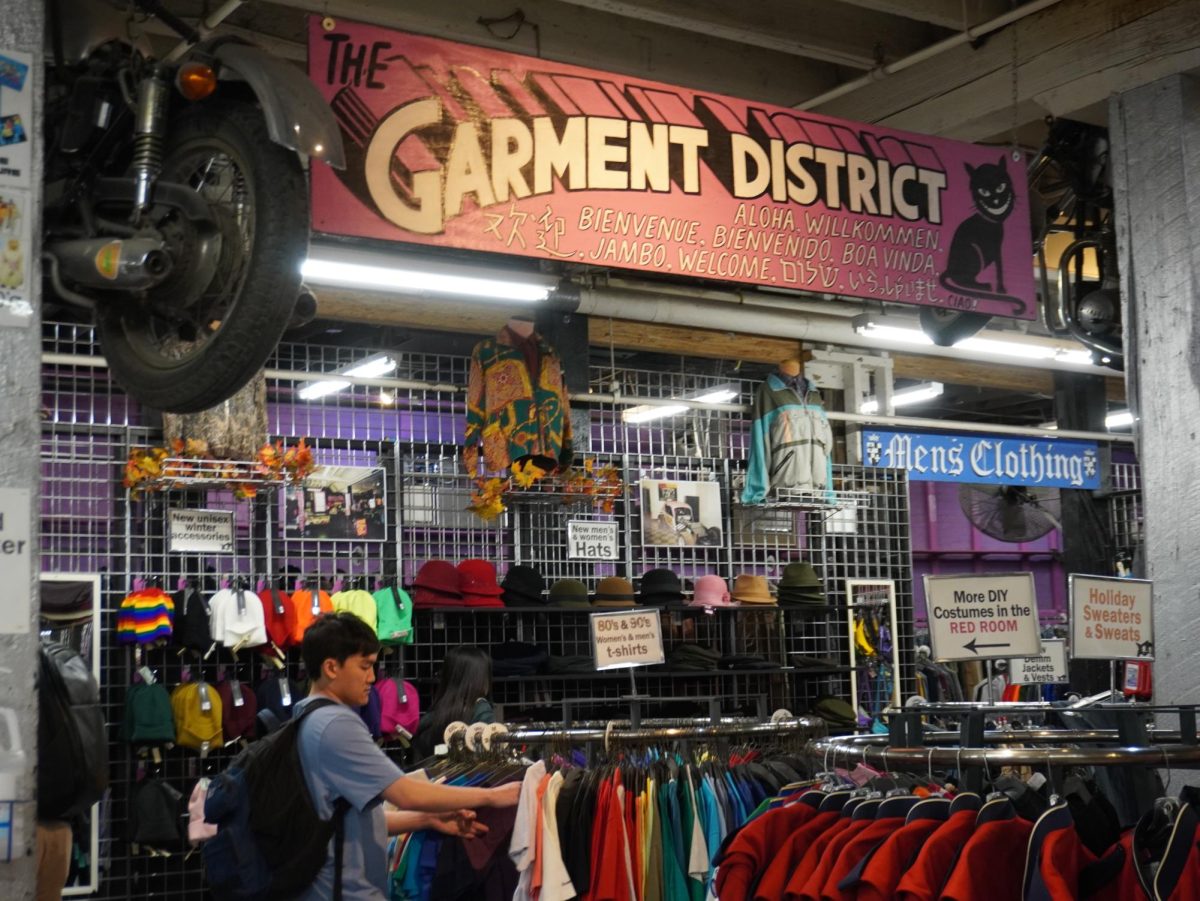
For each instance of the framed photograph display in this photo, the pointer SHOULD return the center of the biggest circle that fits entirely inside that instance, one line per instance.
(338, 503)
(681, 514)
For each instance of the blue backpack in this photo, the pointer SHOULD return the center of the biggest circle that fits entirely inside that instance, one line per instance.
(270, 843)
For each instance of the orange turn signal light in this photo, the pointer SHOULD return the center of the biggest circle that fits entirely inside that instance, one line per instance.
(196, 80)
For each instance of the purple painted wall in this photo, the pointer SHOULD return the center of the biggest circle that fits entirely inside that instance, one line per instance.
(944, 543)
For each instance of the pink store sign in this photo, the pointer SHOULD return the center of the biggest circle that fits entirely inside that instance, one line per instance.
(459, 146)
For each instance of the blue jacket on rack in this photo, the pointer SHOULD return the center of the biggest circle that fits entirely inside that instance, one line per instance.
(790, 440)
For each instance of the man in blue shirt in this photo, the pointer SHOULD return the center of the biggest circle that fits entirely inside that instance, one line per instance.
(341, 761)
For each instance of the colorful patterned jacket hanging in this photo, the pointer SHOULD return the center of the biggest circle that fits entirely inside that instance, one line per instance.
(507, 414)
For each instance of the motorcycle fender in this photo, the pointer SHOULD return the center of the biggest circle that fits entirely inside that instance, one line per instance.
(296, 114)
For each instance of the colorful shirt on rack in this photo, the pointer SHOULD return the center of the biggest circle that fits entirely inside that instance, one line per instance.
(511, 412)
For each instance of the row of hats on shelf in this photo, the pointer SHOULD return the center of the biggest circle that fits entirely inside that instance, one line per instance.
(205, 716)
(239, 618)
(473, 583)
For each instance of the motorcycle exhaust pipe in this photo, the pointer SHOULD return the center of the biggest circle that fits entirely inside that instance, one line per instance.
(109, 264)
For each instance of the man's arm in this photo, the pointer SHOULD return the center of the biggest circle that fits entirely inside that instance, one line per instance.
(418, 795)
(460, 823)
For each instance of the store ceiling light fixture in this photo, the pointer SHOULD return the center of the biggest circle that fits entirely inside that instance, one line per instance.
(870, 327)
(349, 268)
(650, 412)
(371, 368)
(907, 396)
(1122, 419)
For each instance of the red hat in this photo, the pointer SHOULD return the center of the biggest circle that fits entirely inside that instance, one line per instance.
(440, 576)
(478, 577)
(437, 585)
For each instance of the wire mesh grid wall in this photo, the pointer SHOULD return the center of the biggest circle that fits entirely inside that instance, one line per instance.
(410, 429)
(1125, 509)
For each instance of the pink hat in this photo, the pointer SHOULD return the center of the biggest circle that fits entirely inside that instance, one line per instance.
(711, 591)
(392, 712)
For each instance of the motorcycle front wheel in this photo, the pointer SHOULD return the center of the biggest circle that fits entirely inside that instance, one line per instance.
(194, 340)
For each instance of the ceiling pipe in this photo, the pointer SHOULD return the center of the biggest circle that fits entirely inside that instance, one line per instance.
(956, 40)
(745, 314)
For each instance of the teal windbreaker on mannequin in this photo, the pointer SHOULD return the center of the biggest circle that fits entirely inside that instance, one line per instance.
(790, 440)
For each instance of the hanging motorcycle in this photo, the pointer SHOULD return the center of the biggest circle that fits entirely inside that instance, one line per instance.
(176, 204)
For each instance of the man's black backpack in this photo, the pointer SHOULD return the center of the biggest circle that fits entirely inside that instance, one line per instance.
(270, 843)
(72, 744)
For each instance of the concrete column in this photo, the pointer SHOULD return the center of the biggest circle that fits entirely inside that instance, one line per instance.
(1155, 132)
(20, 394)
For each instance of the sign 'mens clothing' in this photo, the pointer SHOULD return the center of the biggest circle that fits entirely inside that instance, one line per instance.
(467, 147)
(987, 459)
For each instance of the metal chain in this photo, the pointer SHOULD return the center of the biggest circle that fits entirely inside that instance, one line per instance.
(1016, 149)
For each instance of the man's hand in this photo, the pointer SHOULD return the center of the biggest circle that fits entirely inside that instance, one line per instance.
(505, 795)
(460, 823)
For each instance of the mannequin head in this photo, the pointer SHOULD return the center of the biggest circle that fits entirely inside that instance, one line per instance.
(520, 326)
(790, 367)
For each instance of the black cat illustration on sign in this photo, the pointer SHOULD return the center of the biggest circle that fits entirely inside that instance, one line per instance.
(978, 241)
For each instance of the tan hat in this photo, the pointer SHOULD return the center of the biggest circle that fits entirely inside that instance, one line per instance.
(614, 592)
(752, 590)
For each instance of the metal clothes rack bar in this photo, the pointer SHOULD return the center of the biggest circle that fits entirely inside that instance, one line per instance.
(662, 730)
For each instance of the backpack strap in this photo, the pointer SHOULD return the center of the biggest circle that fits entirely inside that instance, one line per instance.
(396, 599)
(340, 806)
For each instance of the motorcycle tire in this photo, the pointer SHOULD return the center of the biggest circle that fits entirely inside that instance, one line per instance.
(185, 369)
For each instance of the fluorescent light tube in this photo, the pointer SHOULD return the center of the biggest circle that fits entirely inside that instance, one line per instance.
(907, 396)
(353, 268)
(719, 396)
(313, 390)
(894, 333)
(372, 367)
(1122, 419)
(648, 412)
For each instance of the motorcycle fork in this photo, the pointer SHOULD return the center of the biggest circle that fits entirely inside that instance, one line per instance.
(149, 137)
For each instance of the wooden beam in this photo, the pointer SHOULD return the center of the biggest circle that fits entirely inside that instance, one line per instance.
(486, 319)
(1070, 56)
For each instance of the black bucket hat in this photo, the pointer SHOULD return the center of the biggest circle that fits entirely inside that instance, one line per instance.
(660, 586)
(523, 585)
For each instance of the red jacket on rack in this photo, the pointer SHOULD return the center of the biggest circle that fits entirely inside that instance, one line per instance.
(882, 872)
(757, 843)
(927, 875)
(999, 835)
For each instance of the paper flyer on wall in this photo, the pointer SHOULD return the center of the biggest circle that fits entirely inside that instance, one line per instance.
(679, 513)
(16, 114)
(16, 307)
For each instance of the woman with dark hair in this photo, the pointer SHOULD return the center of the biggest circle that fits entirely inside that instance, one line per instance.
(461, 694)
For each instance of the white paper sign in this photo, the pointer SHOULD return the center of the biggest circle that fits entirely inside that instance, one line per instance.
(626, 638)
(16, 118)
(1050, 667)
(200, 531)
(16, 554)
(978, 616)
(1111, 618)
(588, 540)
